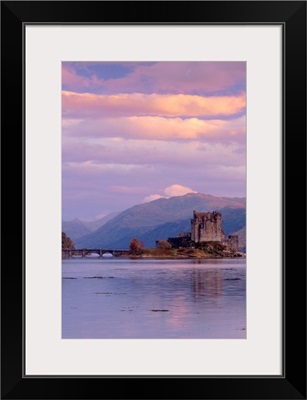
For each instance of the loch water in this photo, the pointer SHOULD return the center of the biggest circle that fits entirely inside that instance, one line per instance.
(111, 298)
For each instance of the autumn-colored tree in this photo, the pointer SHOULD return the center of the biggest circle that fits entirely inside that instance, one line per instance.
(67, 243)
(135, 246)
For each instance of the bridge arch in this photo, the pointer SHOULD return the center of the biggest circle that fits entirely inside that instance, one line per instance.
(108, 254)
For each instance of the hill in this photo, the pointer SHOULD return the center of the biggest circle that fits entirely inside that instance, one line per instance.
(77, 228)
(162, 218)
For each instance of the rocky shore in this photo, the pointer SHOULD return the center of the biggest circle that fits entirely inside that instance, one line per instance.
(211, 250)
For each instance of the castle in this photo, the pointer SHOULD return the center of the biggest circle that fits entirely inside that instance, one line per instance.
(205, 227)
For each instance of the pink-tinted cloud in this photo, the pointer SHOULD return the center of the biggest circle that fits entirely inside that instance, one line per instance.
(152, 197)
(88, 105)
(191, 76)
(72, 79)
(152, 154)
(158, 128)
(124, 189)
(177, 190)
(131, 129)
(170, 191)
(173, 77)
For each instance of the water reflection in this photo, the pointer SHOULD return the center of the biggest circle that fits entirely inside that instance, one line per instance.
(153, 299)
(207, 283)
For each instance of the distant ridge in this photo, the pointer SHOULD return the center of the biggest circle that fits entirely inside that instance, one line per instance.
(77, 228)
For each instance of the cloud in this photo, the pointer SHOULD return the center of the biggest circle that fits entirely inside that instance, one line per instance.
(177, 190)
(159, 128)
(130, 129)
(124, 190)
(148, 154)
(72, 79)
(152, 197)
(170, 191)
(89, 105)
(193, 76)
(174, 77)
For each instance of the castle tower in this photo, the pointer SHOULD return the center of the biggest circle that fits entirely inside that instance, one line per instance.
(207, 227)
(232, 242)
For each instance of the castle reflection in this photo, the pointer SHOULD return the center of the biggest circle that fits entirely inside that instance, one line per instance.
(207, 283)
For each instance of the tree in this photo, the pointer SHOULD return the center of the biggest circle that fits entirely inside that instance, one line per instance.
(67, 243)
(135, 246)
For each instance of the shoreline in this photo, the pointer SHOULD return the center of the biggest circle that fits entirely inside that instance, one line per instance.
(198, 256)
(213, 252)
(182, 257)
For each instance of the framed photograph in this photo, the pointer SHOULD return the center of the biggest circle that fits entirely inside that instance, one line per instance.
(163, 156)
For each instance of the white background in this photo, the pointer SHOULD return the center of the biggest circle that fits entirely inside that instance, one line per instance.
(46, 352)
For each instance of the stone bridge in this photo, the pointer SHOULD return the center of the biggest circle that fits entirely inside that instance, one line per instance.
(67, 253)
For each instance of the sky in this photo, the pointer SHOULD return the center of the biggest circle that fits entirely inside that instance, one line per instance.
(133, 132)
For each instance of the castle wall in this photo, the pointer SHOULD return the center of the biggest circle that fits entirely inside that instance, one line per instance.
(232, 242)
(207, 227)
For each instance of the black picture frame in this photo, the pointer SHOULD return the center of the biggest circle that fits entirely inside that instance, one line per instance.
(292, 16)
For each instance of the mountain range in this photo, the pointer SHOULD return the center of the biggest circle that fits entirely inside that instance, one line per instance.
(158, 219)
(77, 228)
